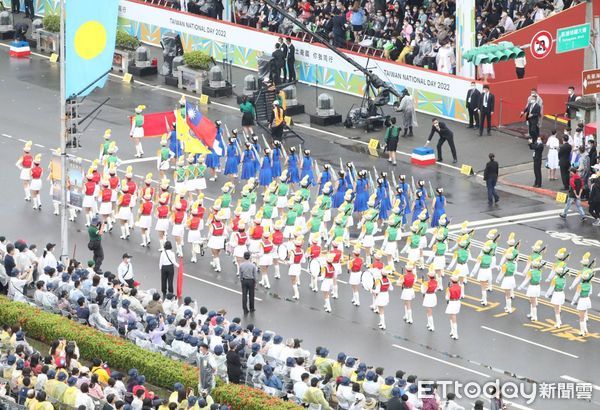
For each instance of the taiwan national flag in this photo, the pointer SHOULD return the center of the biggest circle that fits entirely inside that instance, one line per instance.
(203, 128)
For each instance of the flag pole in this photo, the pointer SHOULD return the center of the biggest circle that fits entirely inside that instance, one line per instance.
(64, 228)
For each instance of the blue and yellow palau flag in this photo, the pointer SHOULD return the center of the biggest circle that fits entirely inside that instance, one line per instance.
(91, 29)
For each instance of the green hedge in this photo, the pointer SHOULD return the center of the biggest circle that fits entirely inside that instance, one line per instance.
(122, 354)
(51, 23)
(126, 41)
(198, 60)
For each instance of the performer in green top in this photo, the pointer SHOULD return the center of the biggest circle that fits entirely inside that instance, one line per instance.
(506, 277)
(532, 281)
(164, 156)
(104, 146)
(248, 115)
(137, 130)
(557, 290)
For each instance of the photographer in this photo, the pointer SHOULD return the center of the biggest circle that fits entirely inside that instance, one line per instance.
(95, 232)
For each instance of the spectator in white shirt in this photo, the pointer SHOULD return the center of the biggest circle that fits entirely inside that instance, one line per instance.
(301, 386)
(48, 258)
(125, 271)
(84, 399)
(298, 370)
(450, 404)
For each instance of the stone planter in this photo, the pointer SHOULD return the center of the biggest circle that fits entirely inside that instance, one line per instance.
(190, 79)
(47, 41)
(122, 59)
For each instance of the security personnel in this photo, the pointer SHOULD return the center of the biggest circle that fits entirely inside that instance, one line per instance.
(277, 122)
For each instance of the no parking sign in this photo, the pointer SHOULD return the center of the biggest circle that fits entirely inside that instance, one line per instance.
(541, 44)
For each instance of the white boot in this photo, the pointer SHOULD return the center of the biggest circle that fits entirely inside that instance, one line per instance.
(277, 275)
(147, 238)
(27, 194)
(296, 292)
(127, 231)
(265, 280)
(382, 321)
(123, 232)
(410, 318)
(430, 325)
(454, 327)
(508, 308)
(582, 328)
(72, 214)
(557, 320)
(56, 206)
(193, 258)
(335, 292)
(179, 249)
(88, 219)
(462, 290)
(162, 244)
(483, 297)
(356, 299)
(327, 306)
(217, 264)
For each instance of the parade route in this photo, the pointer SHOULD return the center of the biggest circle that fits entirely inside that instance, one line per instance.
(492, 344)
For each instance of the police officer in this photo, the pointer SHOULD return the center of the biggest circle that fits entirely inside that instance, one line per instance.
(248, 276)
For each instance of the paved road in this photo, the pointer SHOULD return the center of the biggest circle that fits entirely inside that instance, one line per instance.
(492, 345)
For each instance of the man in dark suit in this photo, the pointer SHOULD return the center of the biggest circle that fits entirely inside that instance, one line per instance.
(472, 104)
(570, 112)
(490, 176)
(15, 6)
(291, 60)
(564, 161)
(532, 115)
(284, 49)
(445, 135)
(537, 146)
(277, 63)
(486, 109)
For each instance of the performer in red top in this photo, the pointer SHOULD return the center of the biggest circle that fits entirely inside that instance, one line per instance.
(337, 264)
(162, 218)
(239, 240)
(24, 164)
(408, 293)
(36, 182)
(382, 288)
(453, 296)
(124, 214)
(216, 238)
(314, 253)
(145, 218)
(277, 239)
(355, 267)
(90, 191)
(429, 288)
(179, 222)
(328, 273)
(266, 259)
(106, 206)
(195, 226)
(296, 260)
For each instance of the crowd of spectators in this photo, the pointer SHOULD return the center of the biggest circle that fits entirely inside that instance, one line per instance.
(219, 346)
(420, 33)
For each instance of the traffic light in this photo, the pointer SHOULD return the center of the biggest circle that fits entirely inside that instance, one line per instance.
(493, 53)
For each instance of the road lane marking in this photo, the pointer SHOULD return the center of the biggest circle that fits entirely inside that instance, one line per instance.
(442, 361)
(7, 136)
(217, 285)
(574, 380)
(136, 160)
(530, 342)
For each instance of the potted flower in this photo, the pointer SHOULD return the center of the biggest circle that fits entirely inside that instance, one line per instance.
(194, 71)
(125, 46)
(47, 37)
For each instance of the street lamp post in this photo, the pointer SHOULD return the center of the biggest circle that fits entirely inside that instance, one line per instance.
(64, 228)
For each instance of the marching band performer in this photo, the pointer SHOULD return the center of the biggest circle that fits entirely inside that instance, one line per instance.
(368, 231)
(255, 234)
(282, 192)
(390, 238)
(256, 149)
(164, 156)
(362, 193)
(307, 168)
(248, 156)
(453, 296)
(213, 160)
(336, 251)
(265, 176)
(412, 247)
(537, 251)
(269, 207)
(461, 260)
(95, 174)
(382, 199)
(191, 184)
(586, 263)
(292, 167)
(147, 188)
(299, 210)
(137, 130)
(200, 174)
(314, 254)
(304, 193)
(428, 288)
(162, 219)
(324, 178)
(407, 281)
(24, 164)
(178, 218)
(133, 191)
(438, 205)
(423, 216)
(532, 281)
(355, 266)
(421, 188)
(114, 182)
(239, 241)
(104, 146)
(90, 191)
(439, 256)
(277, 155)
(36, 182)
(232, 157)
(225, 200)
(347, 209)
(443, 223)
(584, 290)
(406, 194)
(557, 291)
(145, 218)
(326, 286)
(266, 259)
(340, 191)
(315, 224)
(54, 176)
(483, 270)
(418, 206)
(111, 159)
(506, 277)
(106, 206)
(297, 258)
(277, 239)
(511, 242)
(290, 221)
(337, 231)
(179, 174)
(561, 258)
(195, 225)
(124, 213)
(216, 238)
(382, 287)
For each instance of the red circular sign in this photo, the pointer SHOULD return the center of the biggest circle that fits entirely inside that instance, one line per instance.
(541, 44)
